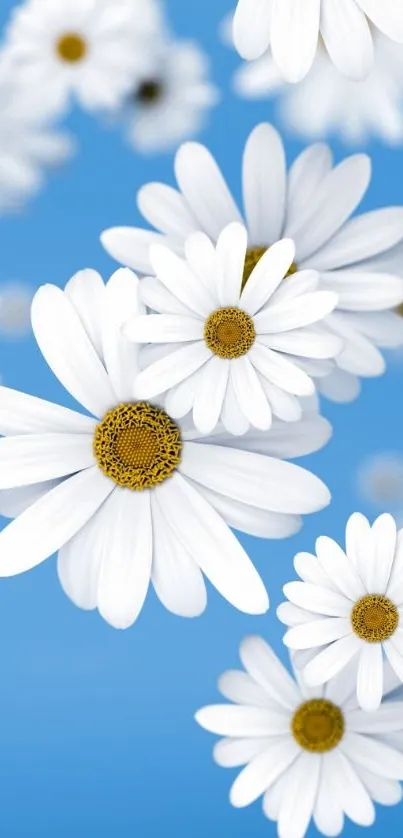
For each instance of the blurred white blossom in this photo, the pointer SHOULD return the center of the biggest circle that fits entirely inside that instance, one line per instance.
(15, 308)
(380, 480)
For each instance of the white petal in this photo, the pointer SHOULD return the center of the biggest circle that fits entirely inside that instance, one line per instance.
(177, 580)
(156, 297)
(249, 519)
(279, 370)
(200, 254)
(50, 522)
(284, 405)
(14, 502)
(310, 569)
(177, 277)
(24, 414)
(238, 720)
(374, 755)
(301, 311)
(232, 417)
(307, 343)
(331, 660)
(210, 394)
(230, 261)
(395, 657)
(172, 369)
(340, 386)
(386, 719)
(204, 189)
(267, 670)
(85, 291)
(364, 291)
(212, 545)
(387, 17)
(250, 393)
(304, 177)
(231, 753)
(274, 796)
(79, 562)
(251, 27)
(130, 246)
(339, 568)
(267, 275)
(285, 441)
(382, 790)
(180, 399)
(250, 478)
(164, 328)
(293, 615)
(68, 350)
(297, 806)
(263, 771)
(121, 302)
(328, 814)
(347, 38)
(166, 210)
(370, 677)
(360, 238)
(264, 183)
(317, 633)
(318, 599)
(358, 540)
(294, 36)
(126, 567)
(25, 460)
(384, 540)
(348, 789)
(239, 687)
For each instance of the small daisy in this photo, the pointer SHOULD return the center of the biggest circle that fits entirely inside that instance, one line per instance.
(83, 48)
(311, 753)
(170, 98)
(311, 204)
(132, 495)
(351, 603)
(380, 480)
(28, 142)
(292, 28)
(326, 102)
(237, 342)
(15, 306)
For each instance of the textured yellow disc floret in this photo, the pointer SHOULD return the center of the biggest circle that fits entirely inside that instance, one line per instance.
(229, 332)
(318, 725)
(253, 256)
(374, 618)
(71, 47)
(137, 445)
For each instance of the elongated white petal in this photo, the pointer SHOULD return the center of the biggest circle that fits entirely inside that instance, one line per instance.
(86, 291)
(24, 414)
(264, 177)
(25, 460)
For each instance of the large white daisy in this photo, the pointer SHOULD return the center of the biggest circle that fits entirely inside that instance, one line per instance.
(85, 48)
(130, 495)
(312, 204)
(326, 102)
(351, 603)
(292, 28)
(170, 97)
(311, 753)
(29, 144)
(235, 335)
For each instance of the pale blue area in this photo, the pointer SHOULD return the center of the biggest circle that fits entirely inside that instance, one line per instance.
(96, 726)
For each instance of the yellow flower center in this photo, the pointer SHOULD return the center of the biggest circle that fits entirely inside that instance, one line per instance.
(229, 332)
(399, 310)
(137, 445)
(318, 725)
(71, 48)
(253, 256)
(374, 618)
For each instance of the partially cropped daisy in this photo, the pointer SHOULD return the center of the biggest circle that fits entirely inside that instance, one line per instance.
(128, 495)
(29, 144)
(170, 97)
(239, 349)
(350, 603)
(326, 102)
(88, 49)
(311, 753)
(293, 28)
(311, 204)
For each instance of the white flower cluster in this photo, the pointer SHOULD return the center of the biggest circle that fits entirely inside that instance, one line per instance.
(115, 58)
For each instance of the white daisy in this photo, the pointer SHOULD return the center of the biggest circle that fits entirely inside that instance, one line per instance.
(350, 603)
(131, 495)
(85, 48)
(292, 28)
(312, 754)
(326, 102)
(237, 342)
(28, 142)
(170, 97)
(310, 204)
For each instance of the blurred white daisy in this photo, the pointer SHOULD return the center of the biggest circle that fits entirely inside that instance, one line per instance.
(327, 102)
(15, 307)
(312, 753)
(239, 352)
(351, 603)
(292, 29)
(28, 142)
(170, 97)
(311, 204)
(87, 49)
(133, 496)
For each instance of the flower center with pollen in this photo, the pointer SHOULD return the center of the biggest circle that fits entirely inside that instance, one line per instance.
(149, 92)
(137, 445)
(71, 47)
(253, 256)
(318, 725)
(229, 332)
(374, 618)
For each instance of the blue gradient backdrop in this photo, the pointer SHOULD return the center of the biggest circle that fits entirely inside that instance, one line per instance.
(96, 726)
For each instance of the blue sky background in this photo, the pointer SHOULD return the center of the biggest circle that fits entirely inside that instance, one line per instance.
(96, 726)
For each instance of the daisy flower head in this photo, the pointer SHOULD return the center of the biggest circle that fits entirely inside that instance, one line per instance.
(170, 97)
(232, 342)
(310, 203)
(85, 49)
(312, 754)
(328, 103)
(292, 28)
(128, 495)
(348, 606)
